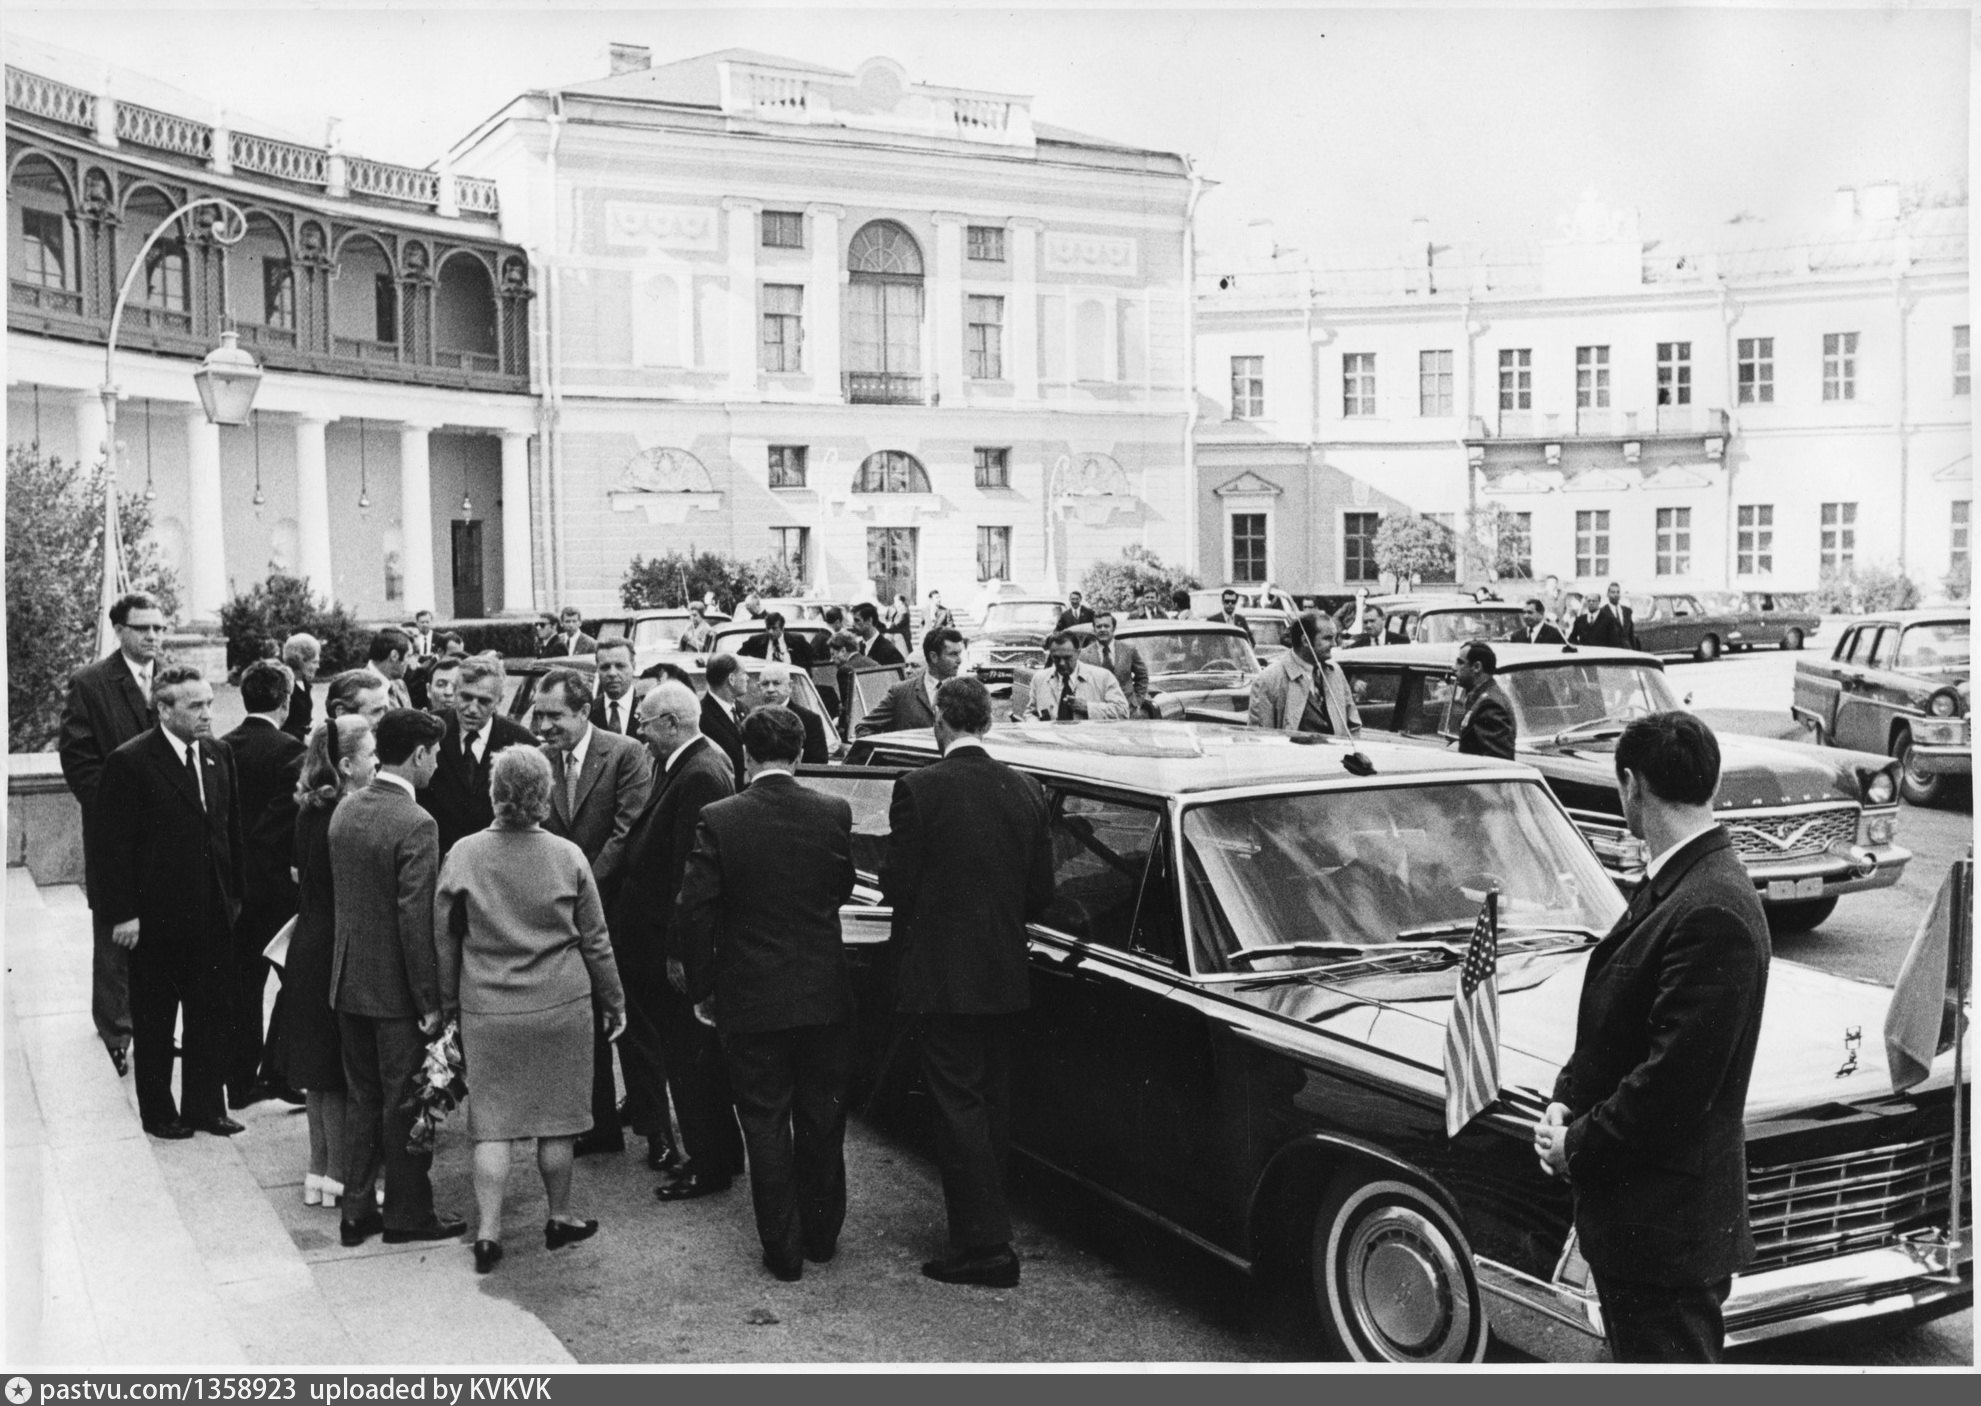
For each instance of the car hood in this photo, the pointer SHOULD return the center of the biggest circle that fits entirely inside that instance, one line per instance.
(1822, 1036)
(1754, 771)
(1010, 637)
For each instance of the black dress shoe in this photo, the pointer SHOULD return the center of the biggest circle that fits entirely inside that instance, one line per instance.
(488, 1254)
(822, 1254)
(790, 1271)
(282, 1093)
(174, 1131)
(120, 1060)
(439, 1228)
(663, 1156)
(687, 1186)
(598, 1140)
(557, 1234)
(220, 1125)
(992, 1268)
(625, 1114)
(355, 1232)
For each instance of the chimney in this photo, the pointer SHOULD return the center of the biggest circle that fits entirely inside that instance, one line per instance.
(1843, 207)
(628, 58)
(1880, 202)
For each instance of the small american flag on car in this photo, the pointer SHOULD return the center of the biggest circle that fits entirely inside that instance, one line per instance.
(1472, 1030)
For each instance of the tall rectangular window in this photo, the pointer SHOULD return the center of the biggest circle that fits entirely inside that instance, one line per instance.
(984, 348)
(1674, 543)
(1516, 546)
(165, 276)
(278, 294)
(1963, 378)
(787, 466)
(783, 229)
(1358, 547)
(1592, 378)
(1248, 387)
(1434, 383)
(993, 468)
(788, 545)
(1957, 534)
(782, 347)
(1517, 378)
(1754, 539)
(1248, 547)
(1674, 373)
(45, 249)
(1754, 370)
(1592, 543)
(1358, 383)
(993, 554)
(1839, 366)
(986, 243)
(385, 307)
(1838, 541)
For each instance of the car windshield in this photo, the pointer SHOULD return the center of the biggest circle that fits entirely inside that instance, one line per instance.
(658, 631)
(1268, 632)
(1485, 623)
(1196, 653)
(1022, 615)
(1551, 700)
(1941, 645)
(1385, 868)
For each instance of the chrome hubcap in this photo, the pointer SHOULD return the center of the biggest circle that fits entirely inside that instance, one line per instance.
(1405, 1287)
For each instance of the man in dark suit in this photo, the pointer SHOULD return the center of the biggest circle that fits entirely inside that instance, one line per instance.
(774, 688)
(599, 785)
(1228, 610)
(420, 634)
(457, 796)
(911, 703)
(847, 661)
(1625, 619)
(875, 645)
(303, 655)
(758, 927)
(618, 691)
(571, 626)
(1075, 614)
(776, 645)
(1122, 660)
(385, 981)
(550, 642)
(109, 703)
(722, 710)
(390, 655)
(693, 773)
(167, 878)
(266, 763)
(968, 865)
(1535, 627)
(1595, 626)
(1486, 727)
(941, 617)
(1647, 1121)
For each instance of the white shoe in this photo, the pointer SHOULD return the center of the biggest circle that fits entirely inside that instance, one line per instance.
(312, 1189)
(381, 1195)
(332, 1191)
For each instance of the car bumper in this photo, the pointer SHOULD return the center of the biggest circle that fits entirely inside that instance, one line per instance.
(1825, 875)
(1919, 1278)
(1928, 760)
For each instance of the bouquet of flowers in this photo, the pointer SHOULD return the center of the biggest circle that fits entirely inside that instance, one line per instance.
(438, 1088)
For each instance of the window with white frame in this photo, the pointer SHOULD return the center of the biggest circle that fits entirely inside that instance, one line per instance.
(788, 545)
(1248, 547)
(1838, 539)
(45, 258)
(783, 327)
(1754, 539)
(1674, 373)
(1839, 366)
(1434, 383)
(278, 294)
(1248, 387)
(787, 466)
(1517, 378)
(783, 229)
(993, 467)
(993, 554)
(984, 339)
(1592, 543)
(1963, 379)
(1358, 547)
(986, 244)
(165, 275)
(1957, 560)
(1674, 542)
(1754, 370)
(1592, 378)
(1358, 383)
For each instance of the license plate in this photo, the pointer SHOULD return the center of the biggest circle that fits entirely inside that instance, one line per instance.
(1779, 889)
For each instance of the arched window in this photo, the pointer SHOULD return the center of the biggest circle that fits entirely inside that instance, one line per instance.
(884, 314)
(165, 263)
(44, 241)
(465, 316)
(891, 471)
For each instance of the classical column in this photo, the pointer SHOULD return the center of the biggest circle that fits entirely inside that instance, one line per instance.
(416, 515)
(946, 295)
(1021, 315)
(90, 428)
(517, 597)
(742, 235)
(313, 506)
(206, 544)
(827, 293)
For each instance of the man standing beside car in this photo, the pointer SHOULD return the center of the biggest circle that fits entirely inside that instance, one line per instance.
(1069, 690)
(1122, 660)
(1304, 690)
(1648, 1117)
(1486, 727)
(1534, 625)
(1621, 615)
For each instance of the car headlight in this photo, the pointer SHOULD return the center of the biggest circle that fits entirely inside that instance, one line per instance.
(1879, 829)
(1878, 789)
(1943, 704)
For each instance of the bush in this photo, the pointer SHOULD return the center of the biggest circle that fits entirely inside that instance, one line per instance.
(671, 581)
(1870, 588)
(278, 608)
(54, 583)
(1118, 585)
(1409, 547)
(1957, 583)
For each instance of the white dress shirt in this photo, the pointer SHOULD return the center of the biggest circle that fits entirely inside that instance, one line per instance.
(1651, 869)
(179, 749)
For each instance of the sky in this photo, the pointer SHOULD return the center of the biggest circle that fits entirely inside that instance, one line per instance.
(1337, 124)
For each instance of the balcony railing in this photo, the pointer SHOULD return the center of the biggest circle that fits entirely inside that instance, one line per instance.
(883, 388)
(364, 349)
(253, 334)
(1600, 423)
(62, 301)
(44, 97)
(394, 182)
(162, 131)
(484, 362)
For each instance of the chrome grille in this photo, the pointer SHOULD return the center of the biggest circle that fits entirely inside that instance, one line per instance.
(1760, 835)
(1827, 1206)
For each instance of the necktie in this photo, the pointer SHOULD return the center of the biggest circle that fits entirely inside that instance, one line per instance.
(1107, 655)
(192, 770)
(1065, 713)
(779, 654)
(570, 787)
(468, 740)
(612, 716)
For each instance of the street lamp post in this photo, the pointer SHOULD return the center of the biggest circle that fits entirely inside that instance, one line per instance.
(226, 380)
(1055, 563)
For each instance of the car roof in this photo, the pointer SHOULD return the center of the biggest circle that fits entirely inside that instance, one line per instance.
(1026, 600)
(1946, 615)
(1451, 601)
(1187, 759)
(1128, 629)
(1508, 655)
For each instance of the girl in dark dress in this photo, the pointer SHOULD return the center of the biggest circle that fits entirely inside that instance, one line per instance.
(342, 758)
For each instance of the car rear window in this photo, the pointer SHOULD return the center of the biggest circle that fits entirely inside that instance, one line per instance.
(1375, 693)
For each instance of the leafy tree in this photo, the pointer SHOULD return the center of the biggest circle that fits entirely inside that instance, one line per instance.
(54, 582)
(274, 609)
(1496, 549)
(1118, 585)
(1958, 583)
(1868, 588)
(1409, 547)
(672, 580)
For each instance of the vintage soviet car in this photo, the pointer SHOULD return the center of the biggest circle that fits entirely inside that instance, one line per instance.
(1239, 998)
(1713, 622)
(525, 674)
(656, 634)
(1809, 824)
(1204, 603)
(1899, 684)
(1193, 665)
(1448, 619)
(1271, 631)
(1013, 632)
(1762, 620)
(731, 638)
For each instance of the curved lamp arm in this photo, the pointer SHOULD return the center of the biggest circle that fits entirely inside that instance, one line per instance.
(229, 231)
